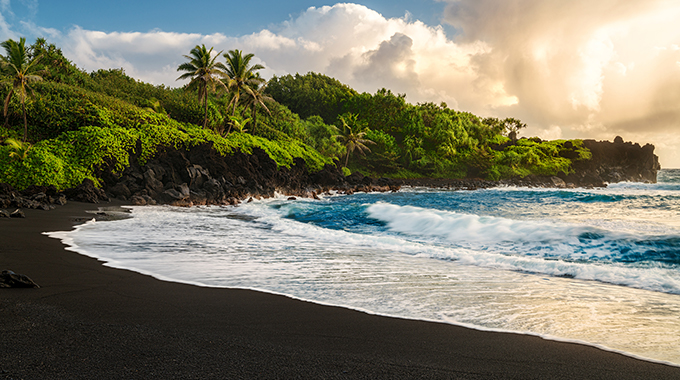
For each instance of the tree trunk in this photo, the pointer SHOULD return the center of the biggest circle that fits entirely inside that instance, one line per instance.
(205, 106)
(7, 99)
(236, 99)
(23, 106)
(254, 120)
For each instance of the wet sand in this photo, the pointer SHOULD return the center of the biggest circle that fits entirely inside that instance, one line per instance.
(89, 321)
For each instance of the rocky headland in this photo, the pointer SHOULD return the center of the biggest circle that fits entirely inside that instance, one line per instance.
(201, 176)
(613, 162)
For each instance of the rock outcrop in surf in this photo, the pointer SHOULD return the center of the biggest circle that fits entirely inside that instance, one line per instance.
(613, 162)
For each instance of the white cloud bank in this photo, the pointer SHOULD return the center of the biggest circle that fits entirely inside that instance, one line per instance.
(350, 42)
(590, 68)
(568, 68)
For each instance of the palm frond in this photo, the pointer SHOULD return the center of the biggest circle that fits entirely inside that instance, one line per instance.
(205, 74)
(17, 148)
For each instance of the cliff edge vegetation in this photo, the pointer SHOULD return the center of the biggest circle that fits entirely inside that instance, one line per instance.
(80, 124)
(63, 125)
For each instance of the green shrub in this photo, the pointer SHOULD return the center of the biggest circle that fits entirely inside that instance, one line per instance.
(82, 132)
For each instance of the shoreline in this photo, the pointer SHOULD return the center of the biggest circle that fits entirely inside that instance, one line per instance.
(90, 320)
(120, 212)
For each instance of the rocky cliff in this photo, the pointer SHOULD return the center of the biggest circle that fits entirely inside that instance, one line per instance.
(616, 161)
(201, 176)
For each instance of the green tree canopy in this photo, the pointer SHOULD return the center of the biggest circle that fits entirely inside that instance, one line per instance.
(311, 94)
(19, 69)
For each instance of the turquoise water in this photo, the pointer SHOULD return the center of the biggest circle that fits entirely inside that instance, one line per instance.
(599, 266)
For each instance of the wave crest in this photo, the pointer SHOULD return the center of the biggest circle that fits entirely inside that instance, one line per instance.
(455, 227)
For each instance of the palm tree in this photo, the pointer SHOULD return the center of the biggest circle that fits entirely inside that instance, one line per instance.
(19, 69)
(238, 123)
(257, 98)
(18, 149)
(204, 72)
(40, 43)
(353, 140)
(241, 76)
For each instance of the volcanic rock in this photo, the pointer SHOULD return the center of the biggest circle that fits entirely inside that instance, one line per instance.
(86, 192)
(17, 214)
(9, 279)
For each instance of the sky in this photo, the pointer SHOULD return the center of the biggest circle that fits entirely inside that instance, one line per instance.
(568, 69)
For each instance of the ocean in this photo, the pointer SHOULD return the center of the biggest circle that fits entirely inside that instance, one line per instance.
(594, 266)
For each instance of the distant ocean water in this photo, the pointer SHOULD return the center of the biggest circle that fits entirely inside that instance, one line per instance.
(599, 266)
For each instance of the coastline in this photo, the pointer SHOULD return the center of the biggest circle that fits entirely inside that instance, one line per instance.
(88, 320)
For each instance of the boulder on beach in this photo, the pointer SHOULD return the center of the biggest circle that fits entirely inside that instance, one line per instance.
(9, 279)
(17, 214)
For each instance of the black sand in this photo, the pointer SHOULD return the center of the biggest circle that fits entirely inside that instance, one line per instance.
(93, 322)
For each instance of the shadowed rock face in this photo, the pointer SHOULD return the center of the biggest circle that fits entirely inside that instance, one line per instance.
(616, 161)
(202, 176)
(86, 192)
(33, 197)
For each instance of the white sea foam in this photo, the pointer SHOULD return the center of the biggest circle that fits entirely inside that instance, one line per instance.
(457, 227)
(414, 268)
(530, 246)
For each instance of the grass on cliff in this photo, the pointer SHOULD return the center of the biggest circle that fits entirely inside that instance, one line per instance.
(81, 131)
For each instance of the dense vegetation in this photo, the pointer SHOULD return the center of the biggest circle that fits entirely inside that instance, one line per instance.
(74, 123)
(424, 139)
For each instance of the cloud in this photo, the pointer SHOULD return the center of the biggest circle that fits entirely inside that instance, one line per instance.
(29, 27)
(5, 6)
(152, 57)
(596, 69)
(362, 48)
(392, 62)
(351, 42)
(348, 41)
(6, 30)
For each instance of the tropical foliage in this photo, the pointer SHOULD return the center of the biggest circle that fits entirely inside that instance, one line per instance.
(423, 140)
(18, 69)
(241, 76)
(311, 95)
(81, 124)
(204, 72)
(17, 149)
(353, 138)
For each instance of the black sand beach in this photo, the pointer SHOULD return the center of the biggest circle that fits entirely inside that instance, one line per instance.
(88, 321)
